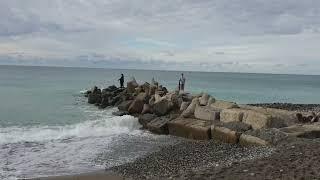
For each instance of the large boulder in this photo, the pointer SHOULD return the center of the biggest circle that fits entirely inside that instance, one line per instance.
(120, 113)
(184, 106)
(229, 132)
(146, 88)
(146, 109)
(159, 125)
(94, 98)
(204, 99)
(136, 107)
(249, 140)
(124, 106)
(132, 85)
(281, 117)
(310, 131)
(152, 90)
(144, 119)
(162, 107)
(191, 108)
(206, 113)
(190, 128)
(225, 135)
(231, 115)
(218, 104)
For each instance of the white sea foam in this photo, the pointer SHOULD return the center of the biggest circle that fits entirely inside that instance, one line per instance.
(93, 128)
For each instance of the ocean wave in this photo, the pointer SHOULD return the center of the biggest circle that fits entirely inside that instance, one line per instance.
(102, 126)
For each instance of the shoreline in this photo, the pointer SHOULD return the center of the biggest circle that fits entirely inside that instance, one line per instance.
(243, 166)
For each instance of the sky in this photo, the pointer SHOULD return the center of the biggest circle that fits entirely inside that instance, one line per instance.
(257, 36)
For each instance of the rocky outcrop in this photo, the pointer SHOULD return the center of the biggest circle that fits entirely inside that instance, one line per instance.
(202, 117)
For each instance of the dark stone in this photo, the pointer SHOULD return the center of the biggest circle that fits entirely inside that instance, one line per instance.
(94, 98)
(145, 119)
(159, 125)
(120, 113)
(162, 107)
(124, 106)
(136, 106)
(238, 126)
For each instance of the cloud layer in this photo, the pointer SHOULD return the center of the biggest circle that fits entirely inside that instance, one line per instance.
(277, 36)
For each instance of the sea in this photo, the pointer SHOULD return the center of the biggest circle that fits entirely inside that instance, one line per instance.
(47, 128)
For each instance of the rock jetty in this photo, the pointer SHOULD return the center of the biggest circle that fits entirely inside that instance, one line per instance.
(203, 117)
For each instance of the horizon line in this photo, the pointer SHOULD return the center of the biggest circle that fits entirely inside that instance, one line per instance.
(62, 66)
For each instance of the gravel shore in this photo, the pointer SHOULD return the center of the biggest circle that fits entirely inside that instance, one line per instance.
(291, 107)
(188, 157)
(291, 159)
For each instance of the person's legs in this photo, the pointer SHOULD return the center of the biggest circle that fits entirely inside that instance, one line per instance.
(182, 87)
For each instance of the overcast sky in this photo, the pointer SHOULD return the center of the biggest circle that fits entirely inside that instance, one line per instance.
(270, 36)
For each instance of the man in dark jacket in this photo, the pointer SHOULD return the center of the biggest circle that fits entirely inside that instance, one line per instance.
(121, 81)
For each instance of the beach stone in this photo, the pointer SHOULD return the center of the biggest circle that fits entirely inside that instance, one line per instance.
(157, 98)
(159, 125)
(136, 106)
(142, 97)
(248, 140)
(231, 115)
(225, 135)
(310, 131)
(124, 106)
(272, 135)
(94, 98)
(152, 100)
(190, 128)
(120, 113)
(132, 85)
(206, 113)
(152, 90)
(191, 108)
(219, 104)
(204, 99)
(281, 118)
(211, 101)
(146, 109)
(237, 126)
(144, 119)
(146, 88)
(259, 120)
(162, 107)
(184, 106)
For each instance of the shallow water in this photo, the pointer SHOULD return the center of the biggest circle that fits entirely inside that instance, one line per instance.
(47, 128)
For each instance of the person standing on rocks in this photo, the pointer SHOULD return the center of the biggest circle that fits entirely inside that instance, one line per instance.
(182, 82)
(121, 81)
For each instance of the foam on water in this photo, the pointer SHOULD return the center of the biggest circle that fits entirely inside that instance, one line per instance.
(87, 146)
(95, 128)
